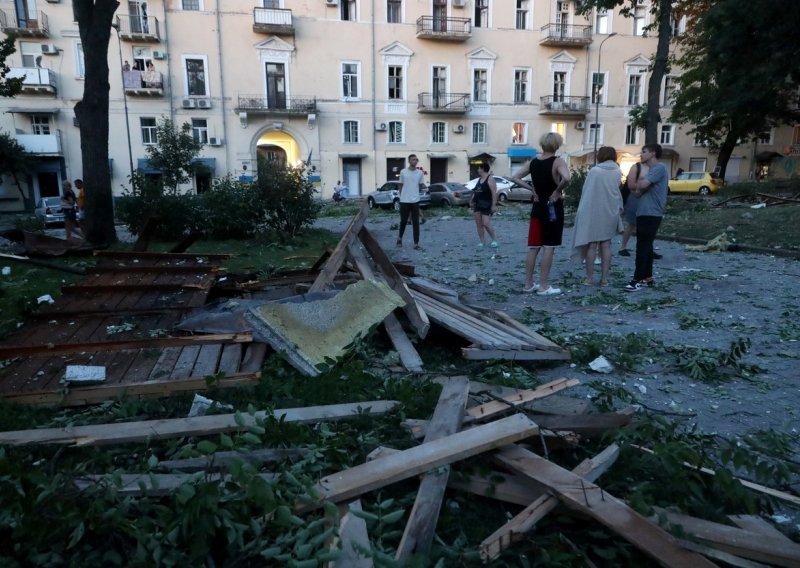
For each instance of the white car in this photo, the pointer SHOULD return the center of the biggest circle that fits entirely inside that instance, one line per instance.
(507, 190)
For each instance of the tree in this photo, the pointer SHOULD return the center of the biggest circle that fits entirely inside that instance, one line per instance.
(8, 87)
(94, 22)
(173, 153)
(740, 75)
(15, 162)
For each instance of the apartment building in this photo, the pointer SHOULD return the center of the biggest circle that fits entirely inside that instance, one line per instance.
(350, 87)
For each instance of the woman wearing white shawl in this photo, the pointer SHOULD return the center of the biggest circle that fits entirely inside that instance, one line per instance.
(597, 219)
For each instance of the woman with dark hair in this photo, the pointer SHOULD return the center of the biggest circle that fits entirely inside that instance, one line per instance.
(597, 219)
(484, 204)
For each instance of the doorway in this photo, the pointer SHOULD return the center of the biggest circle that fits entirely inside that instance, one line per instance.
(438, 170)
(393, 168)
(276, 85)
(351, 173)
(47, 184)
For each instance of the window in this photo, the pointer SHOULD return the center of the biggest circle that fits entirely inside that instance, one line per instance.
(481, 13)
(598, 88)
(519, 133)
(667, 132)
(395, 82)
(601, 21)
(595, 133)
(670, 86)
(396, 132)
(191, 5)
(141, 55)
(678, 26)
(347, 10)
(31, 54)
(80, 67)
(200, 130)
(480, 85)
(634, 90)
(560, 127)
(274, 4)
(393, 11)
(350, 80)
(631, 135)
(559, 86)
(699, 141)
(765, 137)
(479, 133)
(40, 124)
(521, 86)
(523, 8)
(639, 20)
(195, 77)
(351, 132)
(439, 133)
(148, 130)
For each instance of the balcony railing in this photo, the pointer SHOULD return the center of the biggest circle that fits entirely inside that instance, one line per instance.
(281, 106)
(49, 144)
(145, 83)
(138, 28)
(25, 26)
(448, 29)
(35, 80)
(273, 21)
(443, 103)
(566, 35)
(564, 105)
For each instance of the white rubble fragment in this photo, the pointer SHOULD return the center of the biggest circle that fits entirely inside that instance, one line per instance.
(46, 298)
(6, 270)
(84, 374)
(601, 365)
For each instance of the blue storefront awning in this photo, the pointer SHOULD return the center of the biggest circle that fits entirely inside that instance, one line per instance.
(209, 164)
(143, 166)
(517, 152)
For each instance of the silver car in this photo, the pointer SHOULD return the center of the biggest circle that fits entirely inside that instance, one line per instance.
(48, 210)
(447, 194)
(388, 196)
(507, 190)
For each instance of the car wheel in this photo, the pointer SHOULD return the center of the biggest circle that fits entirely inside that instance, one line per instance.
(370, 203)
(446, 203)
(704, 190)
(396, 205)
(502, 198)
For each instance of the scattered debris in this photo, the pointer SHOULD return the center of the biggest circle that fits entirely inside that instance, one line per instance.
(601, 365)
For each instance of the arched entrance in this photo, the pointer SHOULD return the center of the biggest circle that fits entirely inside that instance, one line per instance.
(278, 145)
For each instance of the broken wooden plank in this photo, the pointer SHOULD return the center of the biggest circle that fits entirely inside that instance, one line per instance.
(221, 460)
(104, 434)
(126, 254)
(747, 544)
(589, 425)
(253, 357)
(446, 421)
(713, 553)
(492, 409)
(757, 525)
(483, 354)
(353, 538)
(389, 469)
(523, 522)
(588, 498)
(334, 262)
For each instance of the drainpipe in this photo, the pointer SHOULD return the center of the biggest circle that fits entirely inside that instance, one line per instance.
(374, 108)
(169, 68)
(222, 89)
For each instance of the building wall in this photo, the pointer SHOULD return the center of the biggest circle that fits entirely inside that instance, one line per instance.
(222, 35)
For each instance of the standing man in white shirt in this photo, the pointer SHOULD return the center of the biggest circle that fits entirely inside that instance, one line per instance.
(410, 181)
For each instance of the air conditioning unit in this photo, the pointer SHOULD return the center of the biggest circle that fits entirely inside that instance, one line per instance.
(49, 49)
(332, 2)
(214, 141)
(380, 126)
(458, 129)
(203, 103)
(188, 103)
(459, 3)
(580, 125)
(159, 54)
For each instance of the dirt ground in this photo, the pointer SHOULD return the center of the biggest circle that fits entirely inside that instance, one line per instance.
(702, 300)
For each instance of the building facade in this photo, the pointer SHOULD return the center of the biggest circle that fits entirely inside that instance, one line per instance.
(349, 87)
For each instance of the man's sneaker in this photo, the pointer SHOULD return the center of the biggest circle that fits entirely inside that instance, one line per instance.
(657, 256)
(634, 286)
(649, 281)
(550, 291)
(624, 252)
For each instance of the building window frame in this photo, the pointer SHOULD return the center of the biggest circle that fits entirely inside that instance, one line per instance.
(634, 89)
(396, 132)
(669, 90)
(595, 133)
(80, 62)
(438, 132)
(667, 135)
(394, 11)
(192, 5)
(522, 85)
(480, 133)
(639, 19)
(631, 135)
(200, 130)
(767, 137)
(351, 132)
(519, 134)
(351, 80)
(395, 82)
(348, 10)
(195, 78)
(602, 22)
(149, 130)
(522, 15)
(480, 85)
(40, 124)
(599, 91)
(482, 14)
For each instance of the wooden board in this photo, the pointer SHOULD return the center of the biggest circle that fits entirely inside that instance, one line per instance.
(222, 460)
(334, 262)
(353, 539)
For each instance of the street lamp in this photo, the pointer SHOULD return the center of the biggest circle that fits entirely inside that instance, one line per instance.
(597, 95)
(125, 104)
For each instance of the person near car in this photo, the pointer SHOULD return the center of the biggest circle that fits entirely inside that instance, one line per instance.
(411, 179)
(651, 189)
(598, 217)
(69, 203)
(484, 204)
(631, 204)
(549, 176)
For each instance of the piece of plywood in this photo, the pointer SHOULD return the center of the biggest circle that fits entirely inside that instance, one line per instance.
(119, 433)
(446, 421)
(586, 497)
(389, 469)
(353, 539)
(339, 254)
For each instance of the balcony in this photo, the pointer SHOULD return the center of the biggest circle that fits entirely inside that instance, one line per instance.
(283, 106)
(41, 144)
(273, 21)
(443, 103)
(561, 35)
(35, 80)
(446, 29)
(143, 83)
(565, 106)
(138, 28)
(25, 27)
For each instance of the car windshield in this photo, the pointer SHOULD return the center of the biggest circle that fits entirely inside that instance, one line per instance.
(51, 201)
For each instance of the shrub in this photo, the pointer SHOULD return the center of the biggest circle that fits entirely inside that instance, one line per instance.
(177, 214)
(231, 210)
(288, 197)
(572, 194)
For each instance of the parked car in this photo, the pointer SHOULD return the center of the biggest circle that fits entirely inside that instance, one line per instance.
(703, 183)
(507, 190)
(447, 194)
(388, 196)
(48, 210)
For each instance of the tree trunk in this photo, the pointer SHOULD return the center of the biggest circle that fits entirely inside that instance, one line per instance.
(659, 70)
(94, 21)
(725, 152)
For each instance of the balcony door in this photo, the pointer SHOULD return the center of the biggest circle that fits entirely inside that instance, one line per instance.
(276, 85)
(440, 15)
(439, 87)
(26, 14)
(138, 14)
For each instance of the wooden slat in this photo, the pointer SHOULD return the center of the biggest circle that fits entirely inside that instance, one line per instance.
(495, 407)
(446, 421)
(185, 363)
(230, 358)
(253, 357)
(353, 537)
(207, 360)
(104, 434)
(334, 262)
(162, 370)
(362, 478)
(473, 354)
(222, 460)
(588, 498)
(757, 525)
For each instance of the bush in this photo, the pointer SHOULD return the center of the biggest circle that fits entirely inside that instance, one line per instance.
(288, 197)
(231, 210)
(572, 194)
(177, 214)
